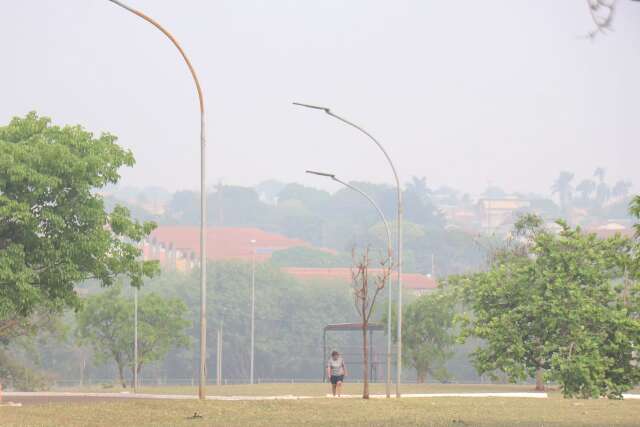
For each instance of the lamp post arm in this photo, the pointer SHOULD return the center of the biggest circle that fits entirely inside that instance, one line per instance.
(393, 168)
(175, 43)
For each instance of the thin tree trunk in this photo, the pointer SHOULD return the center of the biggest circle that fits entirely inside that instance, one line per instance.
(539, 379)
(365, 348)
(121, 375)
(422, 377)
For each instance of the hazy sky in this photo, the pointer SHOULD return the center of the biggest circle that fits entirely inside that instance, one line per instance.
(466, 93)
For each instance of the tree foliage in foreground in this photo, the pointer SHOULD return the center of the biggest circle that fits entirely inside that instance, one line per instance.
(634, 209)
(106, 322)
(54, 230)
(557, 303)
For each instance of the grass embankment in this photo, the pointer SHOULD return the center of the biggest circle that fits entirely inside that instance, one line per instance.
(331, 412)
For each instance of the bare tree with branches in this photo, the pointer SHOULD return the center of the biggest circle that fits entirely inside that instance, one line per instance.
(602, 13)
(366, 288)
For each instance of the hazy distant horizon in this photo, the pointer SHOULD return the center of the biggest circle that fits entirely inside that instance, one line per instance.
(467, 94)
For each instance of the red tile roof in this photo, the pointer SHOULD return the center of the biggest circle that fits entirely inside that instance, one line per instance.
(224, 242)
(411, 281)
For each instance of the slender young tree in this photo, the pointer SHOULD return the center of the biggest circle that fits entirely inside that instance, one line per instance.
(365, 292)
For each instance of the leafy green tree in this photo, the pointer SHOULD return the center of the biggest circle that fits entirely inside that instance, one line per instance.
(236, 206)
(54, 230)
(106, 324)
(418, 186)
(634, 209)
(20, 363)
(315, 200)
(183, 208)
(454, 252)
(428, 337)
(290, 317)
(418, 205)
(549, 303)
(269, 190)
(19, 376)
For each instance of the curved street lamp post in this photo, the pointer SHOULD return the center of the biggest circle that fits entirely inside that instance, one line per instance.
(203, 198)
(399, 230)
(390, 258)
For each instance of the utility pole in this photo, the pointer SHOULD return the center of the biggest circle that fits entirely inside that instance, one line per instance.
(220, 350)
(253, 308)
(433, 266)
(219, 356)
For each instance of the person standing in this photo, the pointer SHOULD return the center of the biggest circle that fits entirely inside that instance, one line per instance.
(336, 371)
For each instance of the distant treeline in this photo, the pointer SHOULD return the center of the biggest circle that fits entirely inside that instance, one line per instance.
(341, 221)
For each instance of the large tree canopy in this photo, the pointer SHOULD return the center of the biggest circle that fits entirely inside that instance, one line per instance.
(54, 230)
(428, 337)
(559, 303)
(106, 323)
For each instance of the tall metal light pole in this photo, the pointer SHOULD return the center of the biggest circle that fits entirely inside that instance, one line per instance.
(399, 231)
(253, 308)
(390, 258)
(203, 197)
(219, 353)
(135, 340)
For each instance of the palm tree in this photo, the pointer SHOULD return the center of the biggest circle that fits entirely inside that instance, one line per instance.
(562, 186)
(419, 187)
(600, 173)
(586, 188)
(621, 189)
(602, 191)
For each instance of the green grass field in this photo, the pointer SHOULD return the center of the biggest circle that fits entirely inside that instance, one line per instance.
(331, 412)
(554, 411)
(311, 389)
